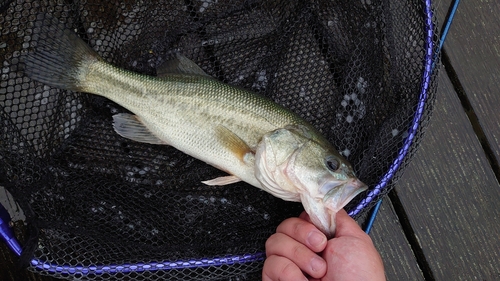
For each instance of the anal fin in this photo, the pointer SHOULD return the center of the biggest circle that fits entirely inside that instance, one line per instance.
(129, 126)
(222, 180)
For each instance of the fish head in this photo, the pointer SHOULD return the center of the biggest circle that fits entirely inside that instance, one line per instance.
(296, 164)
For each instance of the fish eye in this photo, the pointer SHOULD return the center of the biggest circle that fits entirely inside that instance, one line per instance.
(332, 163)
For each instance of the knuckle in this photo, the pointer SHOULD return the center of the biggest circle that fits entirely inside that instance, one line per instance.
(300, 230)
(283, 226)
(269, 244)
(298, 252)
(273, 243)
(289, 271)
(297, 228)
(280, 269)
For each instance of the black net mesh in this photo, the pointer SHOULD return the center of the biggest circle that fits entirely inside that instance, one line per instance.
(352, 68)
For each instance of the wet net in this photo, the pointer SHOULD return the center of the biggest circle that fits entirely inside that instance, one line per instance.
(102, 207)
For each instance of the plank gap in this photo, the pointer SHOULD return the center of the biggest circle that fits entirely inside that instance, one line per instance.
(471, 115)
(411, 236)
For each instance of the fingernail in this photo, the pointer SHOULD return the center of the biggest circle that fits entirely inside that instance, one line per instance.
(317, 264)
(315, 238)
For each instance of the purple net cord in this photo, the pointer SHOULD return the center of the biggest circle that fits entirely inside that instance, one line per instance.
(11, 241)
(143, 267)
(429, 58)
(444, 33)
(8, 236)
(6, 232)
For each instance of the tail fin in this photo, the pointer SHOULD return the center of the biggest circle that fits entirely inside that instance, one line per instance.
(61, 59)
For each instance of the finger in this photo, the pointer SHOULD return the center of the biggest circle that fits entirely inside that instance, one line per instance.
(346, 226)
(277, 268)
(304, 232)
(280, 244)
(305, 216)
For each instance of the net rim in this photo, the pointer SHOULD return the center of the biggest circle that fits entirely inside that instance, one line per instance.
(145, 266)
(417, 117)
(13, 244)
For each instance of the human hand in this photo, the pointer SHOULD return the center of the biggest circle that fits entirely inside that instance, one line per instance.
(299, 251)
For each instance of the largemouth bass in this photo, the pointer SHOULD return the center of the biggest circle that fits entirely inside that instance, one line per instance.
(244, 134)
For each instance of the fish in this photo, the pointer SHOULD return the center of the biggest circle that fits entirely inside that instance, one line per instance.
(244, 134)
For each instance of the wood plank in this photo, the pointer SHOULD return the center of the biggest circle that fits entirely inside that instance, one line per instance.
(389, 239)
(473, 47)
(8, 202)
(451, 196)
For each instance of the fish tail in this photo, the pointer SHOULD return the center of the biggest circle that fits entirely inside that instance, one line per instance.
(60, 59)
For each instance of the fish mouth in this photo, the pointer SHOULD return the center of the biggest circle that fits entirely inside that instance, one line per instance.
(337, 197)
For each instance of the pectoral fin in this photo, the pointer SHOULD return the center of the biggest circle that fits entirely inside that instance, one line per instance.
(237, 147)
(235, 144)
(222, 180)
(129, 126)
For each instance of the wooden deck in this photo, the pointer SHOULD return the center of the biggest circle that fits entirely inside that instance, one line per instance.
(442, 222)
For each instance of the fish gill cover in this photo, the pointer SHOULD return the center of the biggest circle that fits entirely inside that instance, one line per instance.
(356, 70)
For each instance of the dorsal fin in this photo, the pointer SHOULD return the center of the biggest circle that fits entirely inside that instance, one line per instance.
(180, 65)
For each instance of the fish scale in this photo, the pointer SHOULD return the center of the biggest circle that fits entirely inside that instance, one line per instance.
(183, 111)
(250, 137)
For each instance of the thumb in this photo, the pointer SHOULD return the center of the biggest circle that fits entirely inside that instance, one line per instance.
(347, 226)
(305, 216)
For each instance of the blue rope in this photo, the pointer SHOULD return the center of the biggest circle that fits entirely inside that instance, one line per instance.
(446, 28)
(448, 23)
(372, 217)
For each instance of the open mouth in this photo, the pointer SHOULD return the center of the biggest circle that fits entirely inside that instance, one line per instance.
(337, 197)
